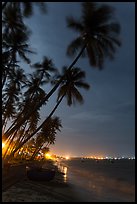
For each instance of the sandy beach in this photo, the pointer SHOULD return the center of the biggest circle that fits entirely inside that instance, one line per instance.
(25, 190)
(82, 181)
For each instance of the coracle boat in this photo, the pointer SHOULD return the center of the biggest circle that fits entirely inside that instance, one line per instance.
(40, 174)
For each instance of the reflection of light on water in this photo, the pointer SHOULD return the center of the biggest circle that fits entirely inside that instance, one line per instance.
(65, 173)
(64, 170)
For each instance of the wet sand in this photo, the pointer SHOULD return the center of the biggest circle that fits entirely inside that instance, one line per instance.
(101, 181)
(26, 190)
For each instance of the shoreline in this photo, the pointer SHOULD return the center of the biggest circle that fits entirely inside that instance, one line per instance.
(26, 190)
(32, 191)
(104, 182)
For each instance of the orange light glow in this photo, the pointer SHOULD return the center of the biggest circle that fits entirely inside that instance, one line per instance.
(3, 144)
(100, 158)
(48, 156)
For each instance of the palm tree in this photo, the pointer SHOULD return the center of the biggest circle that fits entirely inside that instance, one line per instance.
(6, 70)
(12, 19)
(45, 68)
(98, 34)
(18, 77)
(12, 90)
(33, 95)
(69, 88)
(16, 43)
(47, 134)
(98, 39)
(26, 8)
(40, 77)
(15, 36)
(15, 33)
(10, 98)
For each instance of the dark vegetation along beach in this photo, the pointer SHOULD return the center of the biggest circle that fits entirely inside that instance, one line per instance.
(80, 180)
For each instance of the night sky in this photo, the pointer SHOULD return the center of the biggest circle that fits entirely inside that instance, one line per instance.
(105, 124)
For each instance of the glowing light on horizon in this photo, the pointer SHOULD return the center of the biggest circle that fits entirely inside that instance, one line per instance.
(67, 157)
(48, 156)
(100, 158)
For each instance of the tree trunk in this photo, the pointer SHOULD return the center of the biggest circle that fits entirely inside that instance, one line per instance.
(23, 112)
(35, 152)
(46, 97)
(8, 145)
(30, 136)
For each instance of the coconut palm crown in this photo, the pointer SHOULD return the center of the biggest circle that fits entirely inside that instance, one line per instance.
(97, 32)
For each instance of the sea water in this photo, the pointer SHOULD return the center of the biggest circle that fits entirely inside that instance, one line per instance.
(100, 180)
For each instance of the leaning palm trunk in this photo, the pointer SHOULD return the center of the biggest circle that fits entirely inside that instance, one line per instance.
(25, 109)
(8, 133)
(21, 135)
(9, 143)
(8, 65)
(45, 121)
(4, 124)
(5, 117)
(35, 152)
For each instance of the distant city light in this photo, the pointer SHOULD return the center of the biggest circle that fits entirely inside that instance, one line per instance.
(97, 157)
(48, 156)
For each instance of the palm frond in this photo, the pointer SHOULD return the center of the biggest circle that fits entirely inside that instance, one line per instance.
(74, 46)
(82, 84)
(74, 24)
(42, 6)
(27, 8)
(62, 91)
(97, 29)
(103, 14)
(77, 96)
(110, 28)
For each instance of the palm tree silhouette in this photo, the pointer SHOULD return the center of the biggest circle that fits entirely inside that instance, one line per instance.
(41, 76)
(15, 34)
(12, 90)
(98, 34)
(98, 39)
(12, 19)
(26, 8)
(14, 40)
(73, 79)
(16, 43)
(45, 68)
(69, 86)
(47, 135)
